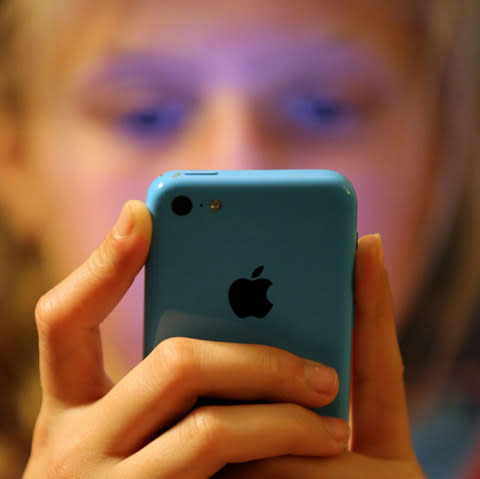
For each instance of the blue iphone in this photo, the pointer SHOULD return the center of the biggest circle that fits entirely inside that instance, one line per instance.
(255, 256)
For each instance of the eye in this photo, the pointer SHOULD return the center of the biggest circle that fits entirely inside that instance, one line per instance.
(317, 112)
(153, 122)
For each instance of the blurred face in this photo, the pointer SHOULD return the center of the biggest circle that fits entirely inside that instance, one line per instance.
(123, 94)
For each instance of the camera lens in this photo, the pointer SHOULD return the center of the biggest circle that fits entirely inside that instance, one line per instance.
(182, 205)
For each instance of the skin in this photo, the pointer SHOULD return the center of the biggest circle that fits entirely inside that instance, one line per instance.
(235, 84)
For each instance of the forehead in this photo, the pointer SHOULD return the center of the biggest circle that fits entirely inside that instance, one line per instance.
(79, 32)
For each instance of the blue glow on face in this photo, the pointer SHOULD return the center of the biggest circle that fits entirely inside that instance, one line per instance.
(154, 122)
(317, 112)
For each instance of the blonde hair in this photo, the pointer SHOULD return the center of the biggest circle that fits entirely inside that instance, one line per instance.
(21, 283)
(443, 318)
(446, 304)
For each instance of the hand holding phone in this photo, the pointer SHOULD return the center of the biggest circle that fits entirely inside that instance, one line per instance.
(138, 427)
(259, 257)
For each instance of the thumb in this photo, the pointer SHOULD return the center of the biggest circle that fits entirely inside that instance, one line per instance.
(69, 315)
(380, 418)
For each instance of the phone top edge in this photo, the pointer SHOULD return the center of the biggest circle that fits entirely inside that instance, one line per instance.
(285, 177)
(254, 174)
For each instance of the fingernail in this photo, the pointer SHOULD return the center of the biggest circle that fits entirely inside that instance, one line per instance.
(321, 378)
(337, 428)
(380, 254)
(125, 222)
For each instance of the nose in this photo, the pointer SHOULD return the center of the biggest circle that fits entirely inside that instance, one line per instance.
(225, 135)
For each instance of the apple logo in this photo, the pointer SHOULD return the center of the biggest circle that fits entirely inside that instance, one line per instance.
(249, 297)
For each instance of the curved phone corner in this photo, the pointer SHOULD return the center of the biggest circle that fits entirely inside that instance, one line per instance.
(152, 192)
(348, 188)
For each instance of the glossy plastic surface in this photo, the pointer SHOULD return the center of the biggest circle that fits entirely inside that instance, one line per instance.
(299, 225)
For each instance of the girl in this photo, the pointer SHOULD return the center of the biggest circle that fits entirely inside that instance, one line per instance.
(97, 99)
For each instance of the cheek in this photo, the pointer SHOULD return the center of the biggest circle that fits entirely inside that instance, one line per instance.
(85, 183)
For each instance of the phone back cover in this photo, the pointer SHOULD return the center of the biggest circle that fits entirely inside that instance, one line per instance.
(295, 229)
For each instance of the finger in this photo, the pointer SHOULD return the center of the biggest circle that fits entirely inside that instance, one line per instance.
(380, 418)
(68, 316)
(212, 436)
(343, 466)
(167, 383)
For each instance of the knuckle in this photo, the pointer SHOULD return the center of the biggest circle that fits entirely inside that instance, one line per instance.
(281, 366)
(292, 409)
(296, 423)
(294, 412)
(208, 430)
(45, 315)
(299, 416)
(272, 363)
(177, 356)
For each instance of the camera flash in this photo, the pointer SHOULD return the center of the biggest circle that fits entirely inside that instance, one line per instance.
(215, 205)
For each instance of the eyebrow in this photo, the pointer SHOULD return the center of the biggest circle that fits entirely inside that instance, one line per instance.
(141, 66)
(335, 57)
(326, 57)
